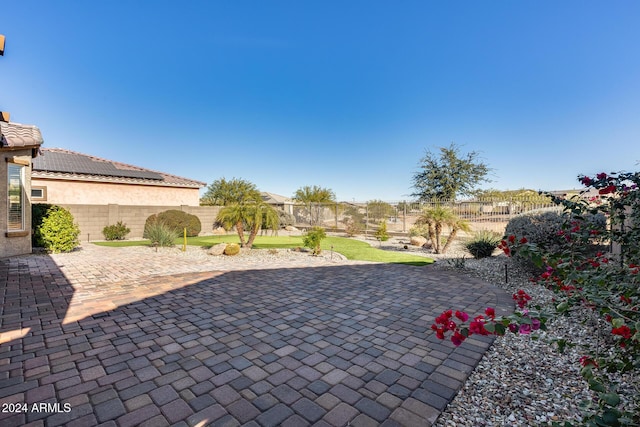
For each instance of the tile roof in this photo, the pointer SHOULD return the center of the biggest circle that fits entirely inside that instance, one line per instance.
(66, 164)
(16, 135)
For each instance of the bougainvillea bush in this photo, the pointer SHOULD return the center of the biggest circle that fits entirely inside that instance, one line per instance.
(592, 283)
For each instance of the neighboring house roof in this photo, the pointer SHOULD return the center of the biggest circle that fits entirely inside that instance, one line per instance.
(274, 199)
(57, 163)
(16, 135)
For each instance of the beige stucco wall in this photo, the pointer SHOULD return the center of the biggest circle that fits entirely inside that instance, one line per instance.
(63, 192)
(15, 245)
(92, 219)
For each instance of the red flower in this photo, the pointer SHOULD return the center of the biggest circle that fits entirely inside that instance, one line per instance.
(608, 189)
(491, 312)
(623, 331)
(457, 338)
(512, 239)
(587, 361)
(477, 326)
(462, 316)
(523, 240)
(585, 180)
(601, 175)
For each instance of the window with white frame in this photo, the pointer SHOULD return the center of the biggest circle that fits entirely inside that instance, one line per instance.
(16, 197)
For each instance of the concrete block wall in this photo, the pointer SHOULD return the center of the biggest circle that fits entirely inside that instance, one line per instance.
(93, 218)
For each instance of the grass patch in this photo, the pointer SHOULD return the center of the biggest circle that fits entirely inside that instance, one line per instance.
(352, 249)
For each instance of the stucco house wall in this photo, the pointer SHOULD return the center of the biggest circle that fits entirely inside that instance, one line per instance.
(68, 191)
(18, 145)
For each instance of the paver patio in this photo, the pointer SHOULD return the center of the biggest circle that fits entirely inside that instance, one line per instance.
(153, 339)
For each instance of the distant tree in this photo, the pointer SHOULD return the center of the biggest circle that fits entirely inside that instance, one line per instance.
(223, 192)
(314, 197)
(379, 210)
(449, 175)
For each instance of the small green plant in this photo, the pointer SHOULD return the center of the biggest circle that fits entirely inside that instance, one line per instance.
(381, 233)
(116, 231)
(57, 232)
(160, 234)
(312, 239)
(232, 249)
(483, 243)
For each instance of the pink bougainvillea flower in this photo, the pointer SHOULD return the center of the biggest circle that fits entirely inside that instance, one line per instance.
(535, 324)
(587, 361)
(491, 312)
(462, 316)
(608, 189)
(623, 331)
(477, 326)
(525, 329)
(513, 327)
(601, 175)
(457, 338)
(585, 180)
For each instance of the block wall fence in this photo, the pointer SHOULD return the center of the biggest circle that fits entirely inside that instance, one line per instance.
(93, 218)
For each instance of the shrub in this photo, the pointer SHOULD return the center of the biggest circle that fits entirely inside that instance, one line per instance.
(312, 239)
(286, 219)
(117, 231)
(178, 221)
(57, 231)
(352, 227)
(419, 230)
(160, 234)
(541, 229)
(381, 233)
(232, 249)
(38, 212)
(483, 243)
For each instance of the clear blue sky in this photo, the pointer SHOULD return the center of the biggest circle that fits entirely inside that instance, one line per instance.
(343, 94)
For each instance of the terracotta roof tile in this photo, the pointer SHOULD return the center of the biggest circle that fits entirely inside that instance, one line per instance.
(16, 135)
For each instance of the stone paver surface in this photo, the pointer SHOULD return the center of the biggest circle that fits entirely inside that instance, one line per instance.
(126, 337)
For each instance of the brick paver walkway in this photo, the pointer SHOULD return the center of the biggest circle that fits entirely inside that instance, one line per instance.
(114, 337)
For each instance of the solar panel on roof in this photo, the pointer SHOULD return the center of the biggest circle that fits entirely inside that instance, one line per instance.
(52, 161)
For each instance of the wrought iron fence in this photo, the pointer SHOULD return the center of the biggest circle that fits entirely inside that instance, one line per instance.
(400, 216)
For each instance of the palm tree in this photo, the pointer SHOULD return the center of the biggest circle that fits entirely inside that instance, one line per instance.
(438, 217)
(313, 198)
(251, 216)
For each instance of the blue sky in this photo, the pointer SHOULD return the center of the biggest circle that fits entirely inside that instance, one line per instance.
(345, 95)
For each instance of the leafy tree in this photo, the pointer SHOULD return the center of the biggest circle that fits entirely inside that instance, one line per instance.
(436, 219)
(223, 192)
(449, 175)
(314, 197)
(379, 210)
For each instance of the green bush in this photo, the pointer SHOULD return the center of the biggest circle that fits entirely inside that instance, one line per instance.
(542, 229)
(38, 212)
(381, 233)
(160, 234)
(312, 239)
(483, 243)
(178, 221)
(232, 249)
(57, 232)
(117, 231)
(419, 230)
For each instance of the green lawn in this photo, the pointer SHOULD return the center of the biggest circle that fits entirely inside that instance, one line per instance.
(350, 248)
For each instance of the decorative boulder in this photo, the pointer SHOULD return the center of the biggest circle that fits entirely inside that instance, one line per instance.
(291, 228)
(232, 249)
(219, 230)
(418, 241)
(217, 249)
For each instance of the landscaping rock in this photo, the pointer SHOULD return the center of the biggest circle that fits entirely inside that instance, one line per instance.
(218, 249)
(291, 228)
(219, 231)
(418, 241)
